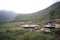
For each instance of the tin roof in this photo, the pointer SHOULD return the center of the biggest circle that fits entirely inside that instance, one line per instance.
(29, 25)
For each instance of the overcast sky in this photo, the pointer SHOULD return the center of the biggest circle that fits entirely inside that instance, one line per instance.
(25, 6)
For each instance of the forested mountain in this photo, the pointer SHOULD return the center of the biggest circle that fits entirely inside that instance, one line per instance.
(6, 16)
(49, 13)
(55, 14)
(40, 15)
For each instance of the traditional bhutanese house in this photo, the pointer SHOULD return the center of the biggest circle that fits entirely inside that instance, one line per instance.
(49, 28)
(30, 27)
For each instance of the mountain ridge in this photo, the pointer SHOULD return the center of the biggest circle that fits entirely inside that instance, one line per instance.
(6, 16)
(38, 15)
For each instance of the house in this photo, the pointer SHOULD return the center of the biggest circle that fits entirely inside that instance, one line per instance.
(29, 27)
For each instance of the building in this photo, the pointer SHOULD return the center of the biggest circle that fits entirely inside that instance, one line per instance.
(29, 27)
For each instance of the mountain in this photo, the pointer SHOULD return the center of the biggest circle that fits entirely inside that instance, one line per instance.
(6, 16)
(40, 15)
(52, 12)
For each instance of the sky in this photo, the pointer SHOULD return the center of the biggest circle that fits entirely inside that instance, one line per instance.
(25, 6)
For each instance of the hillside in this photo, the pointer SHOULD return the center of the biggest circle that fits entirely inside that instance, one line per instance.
(40, 15)
(46, 14)
(6, 16)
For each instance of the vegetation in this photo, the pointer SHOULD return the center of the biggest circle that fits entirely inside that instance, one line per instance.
(12, 30)
(24, 35)
(29, 35)
(55, 15)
